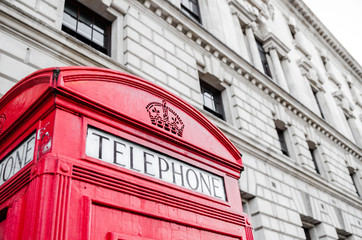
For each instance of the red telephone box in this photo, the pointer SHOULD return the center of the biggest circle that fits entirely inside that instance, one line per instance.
(89, 153)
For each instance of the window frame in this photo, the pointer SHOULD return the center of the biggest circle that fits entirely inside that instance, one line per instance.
(309, 226)
(315, 92)
(282, 141)
(263, 58)
(83, 10)
(185, 8)
(217, 96)
(314, 152)
(353, 175)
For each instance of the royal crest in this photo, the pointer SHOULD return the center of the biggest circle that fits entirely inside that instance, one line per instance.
(165, 117)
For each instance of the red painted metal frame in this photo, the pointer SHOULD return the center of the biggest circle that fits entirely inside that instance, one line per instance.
(65, 194)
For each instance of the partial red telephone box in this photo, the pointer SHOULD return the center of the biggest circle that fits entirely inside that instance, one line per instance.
(89, 153)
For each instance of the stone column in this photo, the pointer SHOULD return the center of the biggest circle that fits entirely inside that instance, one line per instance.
(117, 43)
(255, 56)
(299, 38)
(297, 85)
(278, 68)
(355, 93)
(339, 119)
(356, 130)
(243, 51)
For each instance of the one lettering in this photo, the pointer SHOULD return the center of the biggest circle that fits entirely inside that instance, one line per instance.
(131, 159)
(146, 162)
(28, 149)
(100, 144)
(203, 182)
(18, 159)
(11, 169)
(116, 152)
(215, 186)
(190, 182)
(160, 169)
(178, 173)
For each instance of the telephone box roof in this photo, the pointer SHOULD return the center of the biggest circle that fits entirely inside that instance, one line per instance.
(121, 95)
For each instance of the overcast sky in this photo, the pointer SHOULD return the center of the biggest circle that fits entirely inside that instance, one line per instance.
(343, 18)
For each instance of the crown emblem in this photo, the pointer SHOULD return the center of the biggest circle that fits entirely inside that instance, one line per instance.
(164, 117)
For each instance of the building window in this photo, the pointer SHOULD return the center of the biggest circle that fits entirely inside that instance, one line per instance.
(212, 100)
(312, 147)
(317, 101)
(191, 9)
(309, 227)
(307, 233)
(283, 143)
(87, 26)
(313, 155)
(342, 234)
(355, 181)
(264, 59)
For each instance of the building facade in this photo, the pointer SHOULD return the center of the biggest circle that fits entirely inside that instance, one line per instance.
(266, 72)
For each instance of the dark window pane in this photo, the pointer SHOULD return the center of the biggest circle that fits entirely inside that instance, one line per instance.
(191, 8)
(307, 234)
(313, 153)
(99, 27)
(71, 10)
(282, 142)
(264, 60)
(318, 104)
(352, 173)
(85, 18)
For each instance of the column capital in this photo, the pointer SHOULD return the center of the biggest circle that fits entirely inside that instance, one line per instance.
(286, 58)
(234, 12)
(270, 48)
(252, 25)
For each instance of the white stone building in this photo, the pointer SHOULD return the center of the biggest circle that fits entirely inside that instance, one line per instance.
(266, 72)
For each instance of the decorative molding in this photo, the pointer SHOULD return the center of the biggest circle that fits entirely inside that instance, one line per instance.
(242, 12)
(271, 41)
(334, 79)
(343, 102)
(302, 49)
(252, 9)
(325, 34)
(308, 71)
(243, 68)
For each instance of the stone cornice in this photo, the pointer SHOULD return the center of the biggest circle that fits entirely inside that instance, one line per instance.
(241, 12)
(245, 144)
(325, 34)
(192, 30)
(196, 33)
(271, 41)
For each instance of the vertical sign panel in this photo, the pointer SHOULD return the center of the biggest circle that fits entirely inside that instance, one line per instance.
(17, 159)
